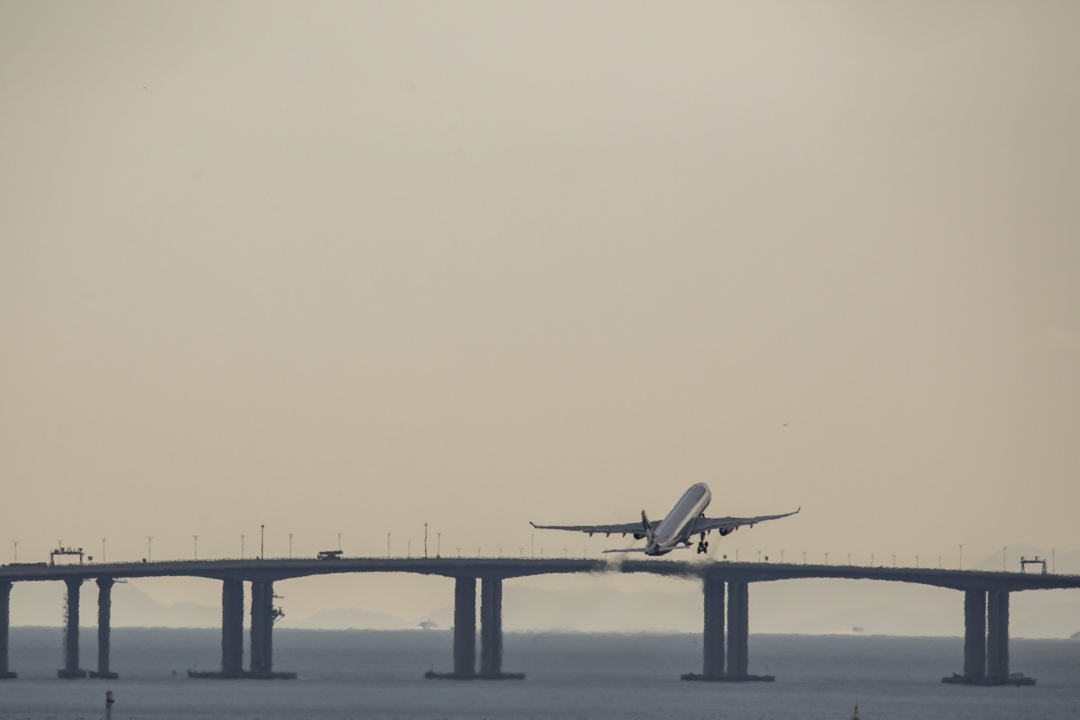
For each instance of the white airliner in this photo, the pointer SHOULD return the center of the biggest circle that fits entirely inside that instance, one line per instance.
(685, 520)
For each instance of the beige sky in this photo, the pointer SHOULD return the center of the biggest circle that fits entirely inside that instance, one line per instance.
(353, 267)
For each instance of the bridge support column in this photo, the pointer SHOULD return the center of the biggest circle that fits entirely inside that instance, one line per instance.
(465, 627)
(712, 667)
(491, 632)
(232, 628)
(464, 630)
(738, 660)
(71, 632)
(262, 626)
(997, 637)
(490, 627)
(713, 636)
(974, 635)
(5, 624)
(105, 586)
(262, 633)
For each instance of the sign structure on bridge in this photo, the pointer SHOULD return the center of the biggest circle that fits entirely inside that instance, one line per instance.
(66, 552)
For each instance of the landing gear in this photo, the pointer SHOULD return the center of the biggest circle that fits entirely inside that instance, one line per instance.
(702, 546)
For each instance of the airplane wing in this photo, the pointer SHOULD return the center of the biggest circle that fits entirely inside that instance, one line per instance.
(727, 524)
(624, 529)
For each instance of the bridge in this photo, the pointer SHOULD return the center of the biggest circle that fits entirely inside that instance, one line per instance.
(725, 587)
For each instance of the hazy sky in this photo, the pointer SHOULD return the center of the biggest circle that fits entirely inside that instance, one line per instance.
(351, 267)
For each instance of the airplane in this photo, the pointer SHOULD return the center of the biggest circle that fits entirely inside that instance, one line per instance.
(675, 531)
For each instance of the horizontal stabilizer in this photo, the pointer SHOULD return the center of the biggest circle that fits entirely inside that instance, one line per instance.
(641, 550)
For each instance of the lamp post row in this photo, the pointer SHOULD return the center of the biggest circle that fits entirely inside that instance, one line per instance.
(438, 551)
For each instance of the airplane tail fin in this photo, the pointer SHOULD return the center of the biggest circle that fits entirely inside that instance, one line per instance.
(647, 527)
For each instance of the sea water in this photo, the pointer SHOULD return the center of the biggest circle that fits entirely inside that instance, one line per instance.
(379, 674)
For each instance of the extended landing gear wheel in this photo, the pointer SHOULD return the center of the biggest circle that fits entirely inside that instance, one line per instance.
(702, 547)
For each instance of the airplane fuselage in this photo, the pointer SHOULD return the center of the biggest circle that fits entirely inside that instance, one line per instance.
(676, 527)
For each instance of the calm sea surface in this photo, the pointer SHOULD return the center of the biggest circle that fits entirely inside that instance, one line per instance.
(372, 674)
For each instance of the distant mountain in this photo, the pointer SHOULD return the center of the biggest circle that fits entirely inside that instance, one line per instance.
(42, 603)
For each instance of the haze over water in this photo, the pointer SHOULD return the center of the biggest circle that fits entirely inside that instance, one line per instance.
(372, 674)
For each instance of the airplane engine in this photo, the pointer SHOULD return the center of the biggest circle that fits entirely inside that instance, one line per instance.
(725, 531)
(638, 536)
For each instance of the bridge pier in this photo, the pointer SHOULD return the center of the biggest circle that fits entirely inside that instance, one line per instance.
(232, 634)
(490, 627)
(105, 586)
(997, 637)
(464, 627)
(712, 665)
(738, 656)
(71, 632)
(465, 633)
(986, 641)
(5, 624)
(262, 626)
(738, 634)
(232, 628)
(974, 635)
(491, 632)
(262, 633)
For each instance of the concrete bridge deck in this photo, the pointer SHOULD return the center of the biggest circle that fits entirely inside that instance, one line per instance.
(986, 604)
(277, 569)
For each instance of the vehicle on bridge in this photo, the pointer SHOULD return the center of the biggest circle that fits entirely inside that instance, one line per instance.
(675, 531)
